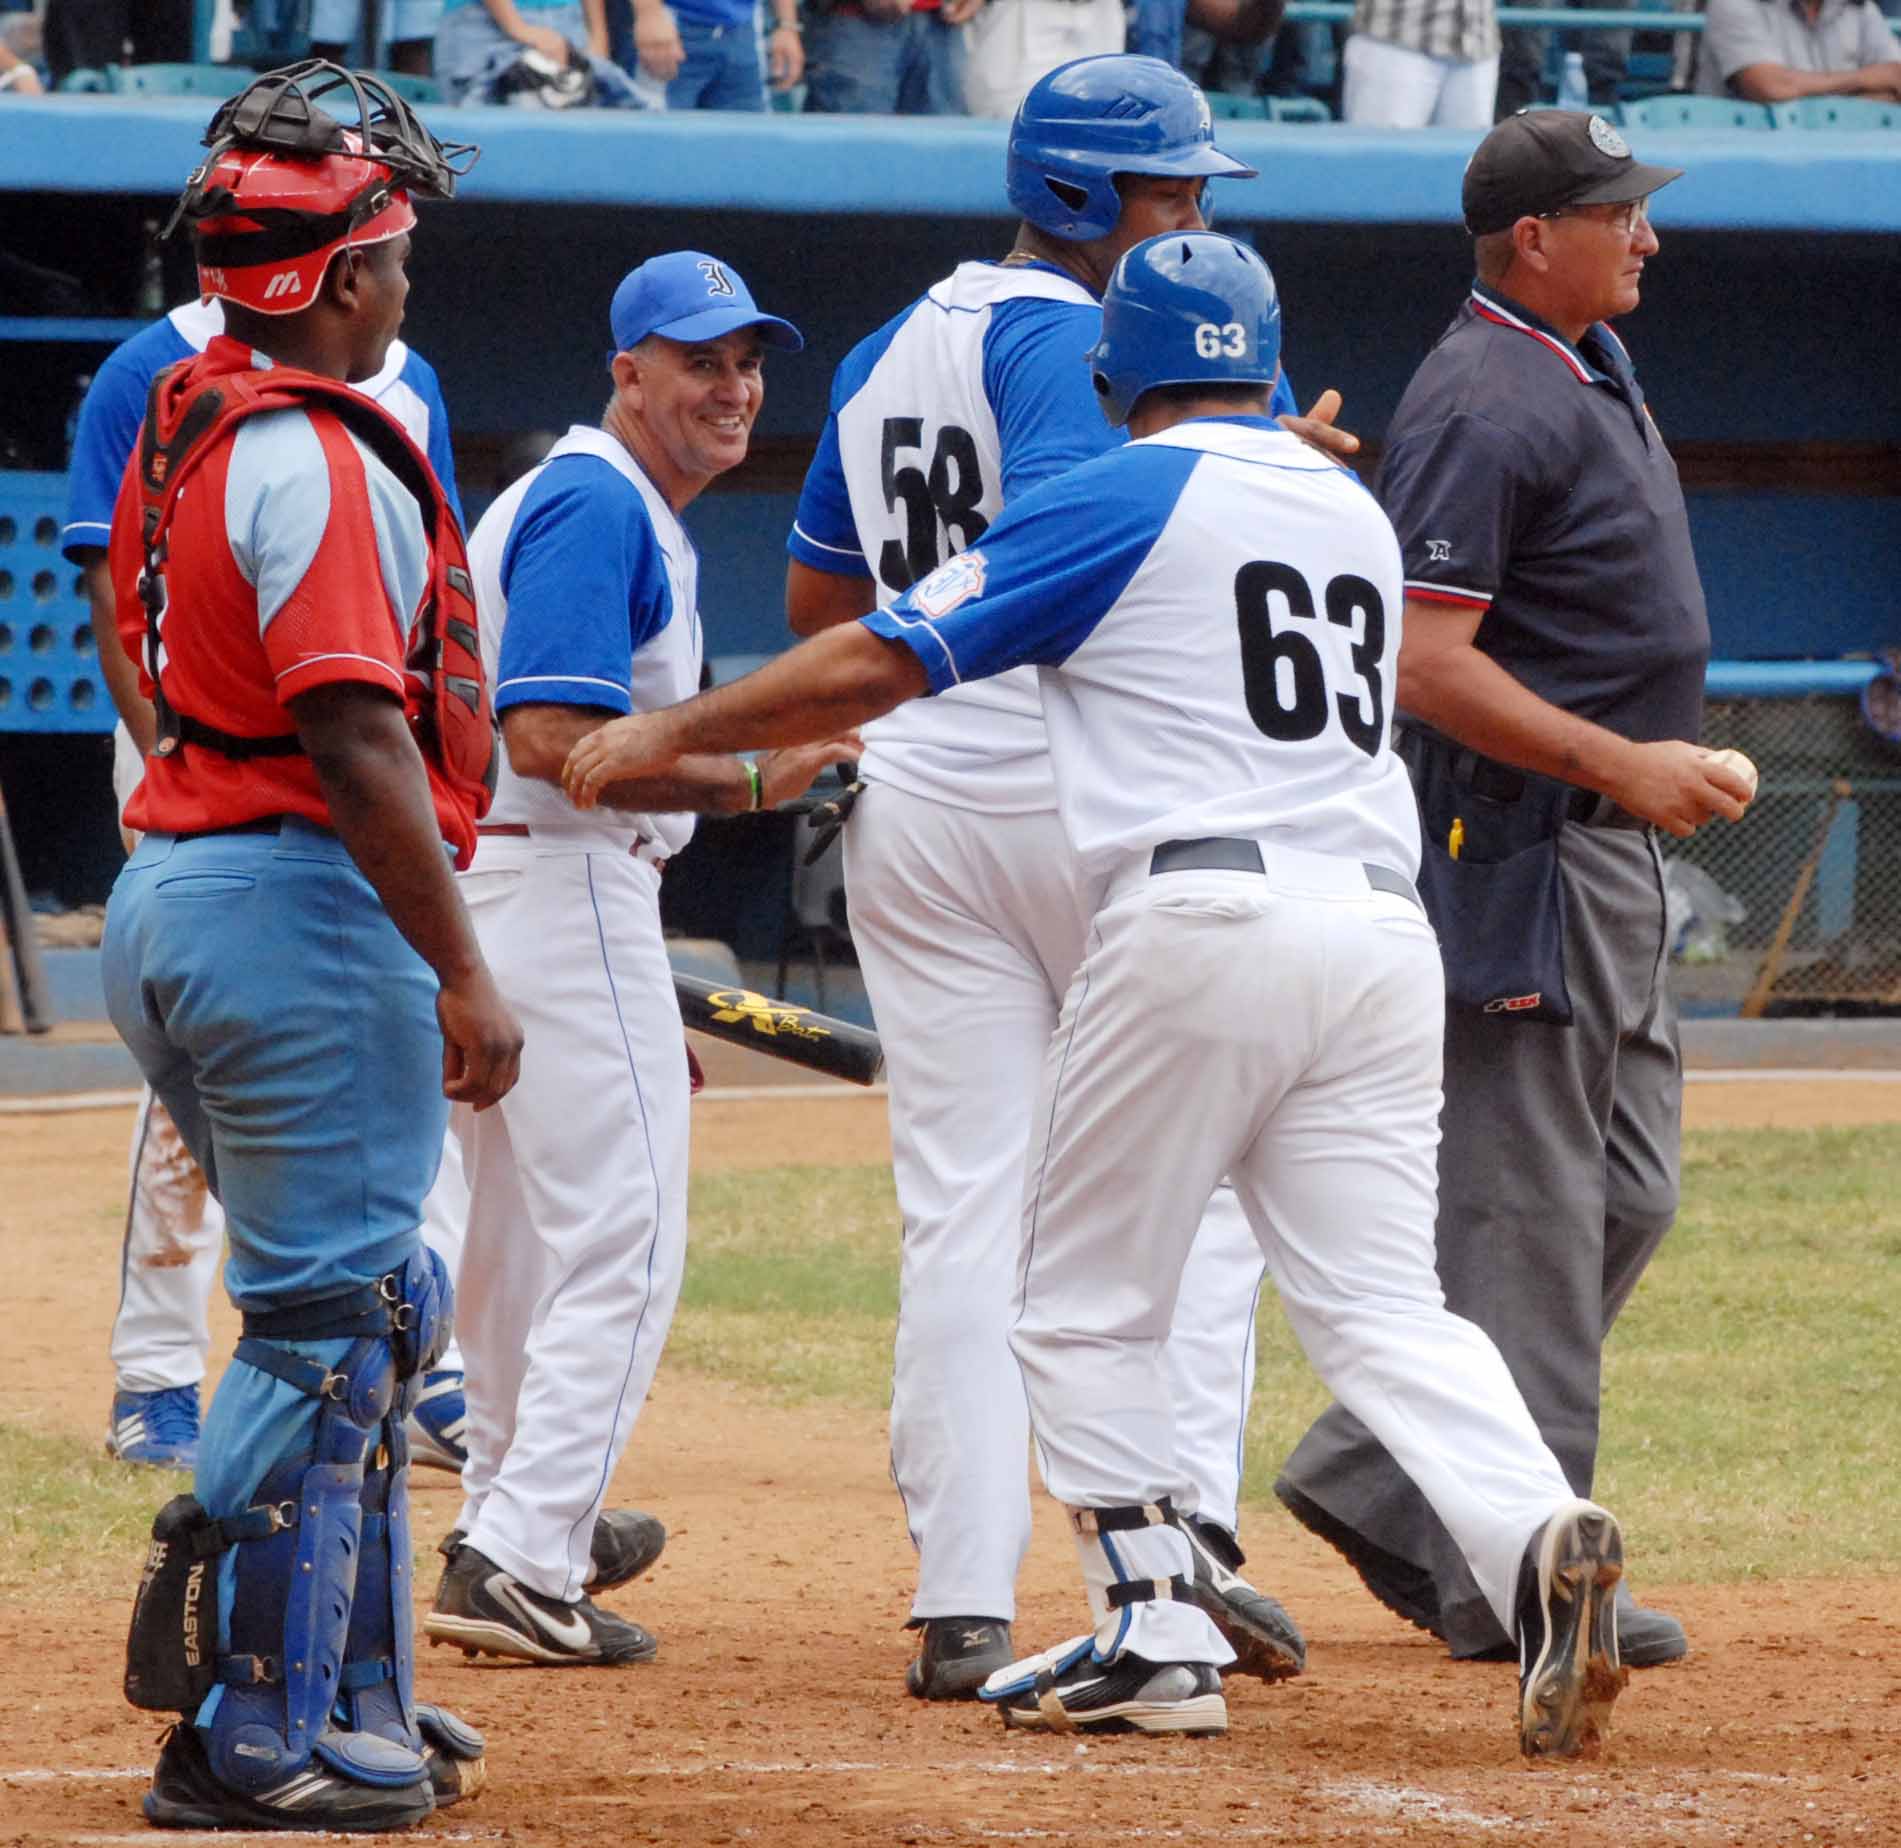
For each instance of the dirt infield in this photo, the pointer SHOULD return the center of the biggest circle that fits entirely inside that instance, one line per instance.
(775, 1712)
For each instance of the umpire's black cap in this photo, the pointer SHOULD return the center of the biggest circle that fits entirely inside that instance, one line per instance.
(1542, 159)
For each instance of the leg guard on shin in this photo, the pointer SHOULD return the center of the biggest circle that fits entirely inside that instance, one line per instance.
(290, 1613)
(376, 1689)
(1132, 1558)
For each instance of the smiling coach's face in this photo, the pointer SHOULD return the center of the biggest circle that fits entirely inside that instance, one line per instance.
(690, 406)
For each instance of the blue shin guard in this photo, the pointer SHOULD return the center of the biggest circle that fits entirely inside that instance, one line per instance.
(293, 1587)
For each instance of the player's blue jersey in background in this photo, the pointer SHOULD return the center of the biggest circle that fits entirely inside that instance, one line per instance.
(976, 393)
(109, 419)
(1215, 612)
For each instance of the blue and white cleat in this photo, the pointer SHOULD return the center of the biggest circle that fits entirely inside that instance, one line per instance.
(159, 1429)
(438, 1420)
(1069, 1689)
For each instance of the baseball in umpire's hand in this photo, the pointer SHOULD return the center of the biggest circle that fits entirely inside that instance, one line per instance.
(1741, 765)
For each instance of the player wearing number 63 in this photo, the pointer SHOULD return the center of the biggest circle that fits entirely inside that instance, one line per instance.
(1214, 615)
(967, 908)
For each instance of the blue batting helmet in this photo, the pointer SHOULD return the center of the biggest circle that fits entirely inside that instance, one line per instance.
(1093, 118)
(1189, 307)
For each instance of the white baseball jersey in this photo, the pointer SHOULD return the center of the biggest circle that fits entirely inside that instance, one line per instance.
(1085, 578)
(606, 603)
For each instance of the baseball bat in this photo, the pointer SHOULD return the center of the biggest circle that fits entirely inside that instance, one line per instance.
(1771, 965)
(780, 1030)
(22, 939)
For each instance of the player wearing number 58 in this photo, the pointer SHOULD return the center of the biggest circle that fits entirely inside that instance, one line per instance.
(1257, 998)
(968, 910)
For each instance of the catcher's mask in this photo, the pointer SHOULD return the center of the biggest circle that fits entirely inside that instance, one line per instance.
(287, 184)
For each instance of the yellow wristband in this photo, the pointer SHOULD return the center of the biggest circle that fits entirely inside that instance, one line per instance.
(756, 780)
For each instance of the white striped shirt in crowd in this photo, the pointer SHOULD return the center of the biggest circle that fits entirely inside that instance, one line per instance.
(1465, 29)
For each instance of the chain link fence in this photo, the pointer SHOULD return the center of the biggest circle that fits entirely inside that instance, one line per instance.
(1796, 909)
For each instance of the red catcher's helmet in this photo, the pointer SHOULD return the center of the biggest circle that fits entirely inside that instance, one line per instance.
(287, 185)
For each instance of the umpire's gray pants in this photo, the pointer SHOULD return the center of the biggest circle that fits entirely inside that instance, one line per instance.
(1557, 1181)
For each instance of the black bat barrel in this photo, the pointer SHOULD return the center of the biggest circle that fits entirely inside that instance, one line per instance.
(780, 1030)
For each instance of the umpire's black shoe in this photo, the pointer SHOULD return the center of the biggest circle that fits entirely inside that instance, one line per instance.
(1405, 1589)
(1130, 1694)
(484, 1610)
(185, 1795)
(1647, 1638)
(624, 1544)
(957, 1656)
(1569, 1670)
(1265, 1640)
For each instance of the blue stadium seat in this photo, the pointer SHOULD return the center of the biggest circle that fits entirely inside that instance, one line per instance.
(177, 79)
(1297, 109)
(1838, 112)
(1229, 106)
(85, 81)
(1694, 112)
(49, 663)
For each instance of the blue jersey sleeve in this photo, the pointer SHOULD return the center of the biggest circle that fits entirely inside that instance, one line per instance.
(586, 583)
(109, 422)
(824, 534)
(421, 378)
(1038, 383)
(1046, 573)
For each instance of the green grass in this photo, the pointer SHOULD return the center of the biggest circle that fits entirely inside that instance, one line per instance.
(1751, 1421)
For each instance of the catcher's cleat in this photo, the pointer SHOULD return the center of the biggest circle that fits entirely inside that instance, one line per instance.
(1405, 1589)
(957, 1656)
(156, 1428)
(1569, 1668)
(1067, 1689)
(437, 1421)
(185, 1795)
(1266, 1641)
(453, 1752)
(625, 1543)
(485, 1610)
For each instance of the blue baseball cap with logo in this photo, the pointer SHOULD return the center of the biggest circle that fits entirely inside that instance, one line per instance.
(687, 295)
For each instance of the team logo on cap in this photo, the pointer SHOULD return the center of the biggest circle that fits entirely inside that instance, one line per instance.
(951, 584)
(1607, 140)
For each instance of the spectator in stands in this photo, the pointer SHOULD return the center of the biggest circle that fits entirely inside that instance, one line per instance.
(408, 32)
(1014, 42)
(1413, 65)
(886, 57)
(1521, 62)
(90, 34)
(17, 77)
(551, 53)
(1155, 26)
(1773, 51)
(706, 54)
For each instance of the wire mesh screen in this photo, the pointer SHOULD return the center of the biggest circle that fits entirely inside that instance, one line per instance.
(1796, 909)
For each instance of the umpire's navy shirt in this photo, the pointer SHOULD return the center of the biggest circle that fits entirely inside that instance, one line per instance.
(1526, 479)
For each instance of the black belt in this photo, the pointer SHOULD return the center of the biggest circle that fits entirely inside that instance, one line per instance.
(262, 824)
(1223, 853)
(1486, 776)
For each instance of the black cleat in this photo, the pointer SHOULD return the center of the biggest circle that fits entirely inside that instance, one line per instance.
(485, 1610)
(624, 1544)
(185, 1795)
(957, 1656)
(1569, 1669)
(1068, 1690)
(1266, 1641)
(453, 1752)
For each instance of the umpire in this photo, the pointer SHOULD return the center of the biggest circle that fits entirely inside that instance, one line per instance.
(1551, 675)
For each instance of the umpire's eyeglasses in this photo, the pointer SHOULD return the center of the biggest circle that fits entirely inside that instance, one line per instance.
(1625, 220)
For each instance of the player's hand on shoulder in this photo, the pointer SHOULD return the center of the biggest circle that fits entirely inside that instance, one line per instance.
(1680, 786)
(481, 1040)
(1319, 431)
(791, 772)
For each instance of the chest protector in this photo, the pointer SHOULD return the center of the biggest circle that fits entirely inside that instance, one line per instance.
(454, 722)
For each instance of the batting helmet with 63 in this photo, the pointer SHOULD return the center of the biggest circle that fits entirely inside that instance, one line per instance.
(1093, 118)
(1189, 307)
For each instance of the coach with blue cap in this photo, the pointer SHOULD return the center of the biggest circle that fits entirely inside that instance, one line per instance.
(1551, 677)
(588, 588)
